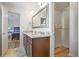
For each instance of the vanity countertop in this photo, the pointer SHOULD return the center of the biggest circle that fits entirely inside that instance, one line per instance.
(37, 35)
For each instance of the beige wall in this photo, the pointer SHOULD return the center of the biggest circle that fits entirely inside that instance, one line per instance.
(65, 27)
(62, 27)
(57, 26)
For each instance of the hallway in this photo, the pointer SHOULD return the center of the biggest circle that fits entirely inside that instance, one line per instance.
(61, 52)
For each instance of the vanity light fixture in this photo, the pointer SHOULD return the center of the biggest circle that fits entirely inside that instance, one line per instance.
(41, 3)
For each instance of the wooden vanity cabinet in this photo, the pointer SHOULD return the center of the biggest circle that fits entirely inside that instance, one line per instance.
(41, 47)
(37, 47)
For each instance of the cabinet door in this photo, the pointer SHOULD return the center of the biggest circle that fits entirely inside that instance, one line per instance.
(41, 47)
(30, 46)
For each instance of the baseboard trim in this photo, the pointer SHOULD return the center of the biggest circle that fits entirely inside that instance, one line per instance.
(59, 45)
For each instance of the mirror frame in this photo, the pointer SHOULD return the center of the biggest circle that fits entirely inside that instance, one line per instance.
(47, 17)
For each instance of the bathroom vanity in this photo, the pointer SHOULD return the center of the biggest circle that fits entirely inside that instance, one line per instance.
(36, 45)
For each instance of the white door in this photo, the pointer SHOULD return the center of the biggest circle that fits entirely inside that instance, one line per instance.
(51, 27)
(4, 30)
(73, 29)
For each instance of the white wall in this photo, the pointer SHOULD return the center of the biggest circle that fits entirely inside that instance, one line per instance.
(25, 24)
(13, 19)
(73, 29)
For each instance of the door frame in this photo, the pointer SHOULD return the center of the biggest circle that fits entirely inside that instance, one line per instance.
(10, 11)
(72, 51)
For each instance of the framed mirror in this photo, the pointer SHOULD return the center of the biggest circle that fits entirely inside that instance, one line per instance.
(40, 19)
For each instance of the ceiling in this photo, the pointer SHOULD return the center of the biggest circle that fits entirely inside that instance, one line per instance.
(22, 4)
(29, 6)
(25, 6)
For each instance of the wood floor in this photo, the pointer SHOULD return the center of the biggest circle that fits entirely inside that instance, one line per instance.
(13, 44)
(61, 52)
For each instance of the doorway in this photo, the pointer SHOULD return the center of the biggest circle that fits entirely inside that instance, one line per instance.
(13, 30)
(61, 28)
